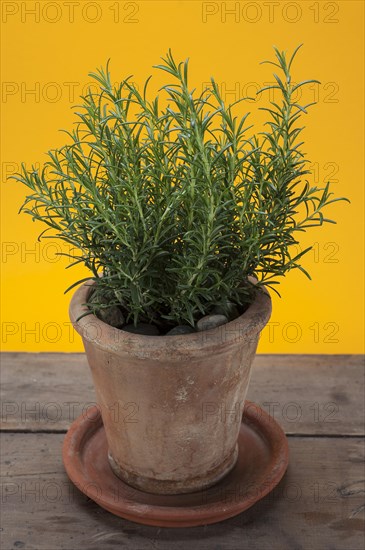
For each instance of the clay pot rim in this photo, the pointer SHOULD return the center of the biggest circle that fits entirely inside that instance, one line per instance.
(111, 339)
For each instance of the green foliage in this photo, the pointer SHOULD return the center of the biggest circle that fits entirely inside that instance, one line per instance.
(173, 208)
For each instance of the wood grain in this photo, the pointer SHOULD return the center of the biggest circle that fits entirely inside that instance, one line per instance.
(306, 394)
(318, 506)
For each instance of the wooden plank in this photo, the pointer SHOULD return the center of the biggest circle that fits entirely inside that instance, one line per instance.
(306, 394)
(319, 505)
(44, 391)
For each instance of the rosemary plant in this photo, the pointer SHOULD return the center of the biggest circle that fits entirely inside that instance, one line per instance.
(173, 208)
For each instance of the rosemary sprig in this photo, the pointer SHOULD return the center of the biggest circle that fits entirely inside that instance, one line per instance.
(171, 209)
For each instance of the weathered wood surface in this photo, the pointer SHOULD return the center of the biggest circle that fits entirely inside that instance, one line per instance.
(306, 394)
(319, 505)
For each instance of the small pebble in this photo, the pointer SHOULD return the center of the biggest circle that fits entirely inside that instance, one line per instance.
(180, 329)
(142, 328)
(112, 316)
(231, 311)
(211, 321)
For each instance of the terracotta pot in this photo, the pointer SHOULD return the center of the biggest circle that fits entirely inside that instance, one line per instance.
(171, 405)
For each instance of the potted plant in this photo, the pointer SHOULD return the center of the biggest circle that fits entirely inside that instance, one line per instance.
(184, 219)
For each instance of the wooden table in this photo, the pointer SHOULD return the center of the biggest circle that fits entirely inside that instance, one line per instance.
(319, 504)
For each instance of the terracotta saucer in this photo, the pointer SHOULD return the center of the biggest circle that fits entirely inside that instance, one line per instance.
(262, 461)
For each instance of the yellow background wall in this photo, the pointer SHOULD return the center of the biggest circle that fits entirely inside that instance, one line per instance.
(49, 48)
